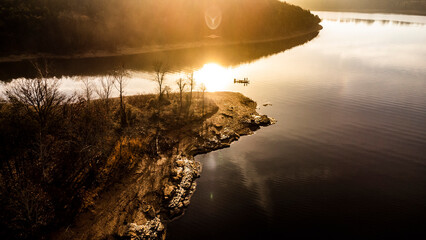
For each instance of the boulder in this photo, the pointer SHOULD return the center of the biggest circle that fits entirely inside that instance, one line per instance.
(261, 120)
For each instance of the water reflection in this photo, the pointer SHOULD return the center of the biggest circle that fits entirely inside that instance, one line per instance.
(183, 59)
(372, 21)
(254, 180)
(347, 157)
(372, 17)
(214, 76)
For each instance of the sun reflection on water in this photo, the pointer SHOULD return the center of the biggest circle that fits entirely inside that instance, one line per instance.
(214, 77)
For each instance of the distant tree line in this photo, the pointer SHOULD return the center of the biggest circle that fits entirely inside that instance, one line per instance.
(63, 26)
(414, 6)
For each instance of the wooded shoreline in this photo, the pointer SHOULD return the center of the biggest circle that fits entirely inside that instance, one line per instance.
(122, 167)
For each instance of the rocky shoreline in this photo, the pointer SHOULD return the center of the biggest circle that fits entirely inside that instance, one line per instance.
(176, 197)
(186, 170)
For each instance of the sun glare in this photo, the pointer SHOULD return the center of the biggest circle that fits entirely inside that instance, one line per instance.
(214, 77)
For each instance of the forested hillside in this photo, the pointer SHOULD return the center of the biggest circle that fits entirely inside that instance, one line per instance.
(63, 26)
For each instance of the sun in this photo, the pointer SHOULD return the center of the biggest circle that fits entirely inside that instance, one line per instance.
(214, 77)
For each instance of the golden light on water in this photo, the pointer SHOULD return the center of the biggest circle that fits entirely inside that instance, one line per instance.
(214, 77)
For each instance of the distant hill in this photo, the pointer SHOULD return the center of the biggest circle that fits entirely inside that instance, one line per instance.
(64, 26)
(391, 6)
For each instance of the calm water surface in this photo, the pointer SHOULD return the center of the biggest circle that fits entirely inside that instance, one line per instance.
(347, 157)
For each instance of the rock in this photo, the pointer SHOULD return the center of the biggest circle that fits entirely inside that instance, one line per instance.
(228, 135)
(262, 120)
(214, 139)
(168, 191)
(183, 191)
(180, 162)
(150, 230)
(178, 173)
(197, 171)
(226, 145)
(145, 207)
(160, 227)
(227, 115)
(161, 161)
(193, 186)
(186, 185)
(224, 137)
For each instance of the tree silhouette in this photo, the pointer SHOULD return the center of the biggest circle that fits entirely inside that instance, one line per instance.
(191, 83)
(105, 91)
(181, 86)
(203, 90)
(120, 81)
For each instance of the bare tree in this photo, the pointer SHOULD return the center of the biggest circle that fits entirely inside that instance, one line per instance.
(87, 89)
(41, 98)
(160, 71)
(167, 90)
(120, 77)
(105, 90)
(191, 83)
(181, 85)
(203, 90)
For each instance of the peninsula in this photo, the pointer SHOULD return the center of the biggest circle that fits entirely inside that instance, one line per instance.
(110, 167)
(158, 189)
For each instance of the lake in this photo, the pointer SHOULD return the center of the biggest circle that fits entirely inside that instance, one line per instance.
(347, 158)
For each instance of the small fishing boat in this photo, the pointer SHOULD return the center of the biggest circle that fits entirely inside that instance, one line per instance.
(244, 81)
